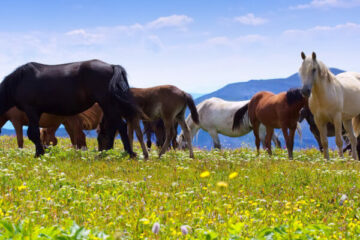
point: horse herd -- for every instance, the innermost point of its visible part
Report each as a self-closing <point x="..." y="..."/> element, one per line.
<point x="96" y="95"/>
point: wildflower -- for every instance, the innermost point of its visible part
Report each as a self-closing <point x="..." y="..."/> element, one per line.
<point x="156" y="228"/>
<point x="233" y="175"/>
<point x="185" y="229"/>
<point x="205" y="174"/>
<point x="21" y="188"/>
<point x="343" y="199"/>
<point x="222" y="184"/>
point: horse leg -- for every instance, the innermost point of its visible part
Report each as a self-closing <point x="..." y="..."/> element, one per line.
<point x="139" y="135"/>
<point x="353" y="140"/>
<point x="338" y="134"/>
<point x="185" y="128"/>
<point x="323" y="136"/>
<point x="284" y="129"/>
<point x="291" y="144"/>
<point x="168" y="125"/>
<point x="316" y="134"/>
<point x="33" y="131"/>
<point x="130" y="131"/>
<point x="174" y="142"/>
<point x="214" y="135"/>
<point x="256" y="126"/>
<point x="19" y="133"/>
<point x="122" y="128"/>
<point x="269" y="133"/>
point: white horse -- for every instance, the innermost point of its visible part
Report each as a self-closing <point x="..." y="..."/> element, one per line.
<point x="217" y="116"/>
<point x="334" y="99"/>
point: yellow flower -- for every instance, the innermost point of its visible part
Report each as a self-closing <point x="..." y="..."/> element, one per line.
<point x="21" y="188"/>
<point x="222" y="184"/>
<point x="233" y="175"/>
<point x="205" y="174"/>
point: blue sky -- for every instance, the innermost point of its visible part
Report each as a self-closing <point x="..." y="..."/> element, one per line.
<point x="198" y="46"/>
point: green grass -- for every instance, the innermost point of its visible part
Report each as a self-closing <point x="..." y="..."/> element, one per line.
<point x="111" y="196"/>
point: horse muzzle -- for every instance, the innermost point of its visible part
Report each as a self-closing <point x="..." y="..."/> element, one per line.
<point x="306" y="91"/>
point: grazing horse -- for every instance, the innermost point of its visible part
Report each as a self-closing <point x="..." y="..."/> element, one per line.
<point x="164" y="102"/>
<point x="274" y="111"/>
<point x="69" y="89"/>
<point x="74" y="125"/>
<point x="19" y="119"/>
<point x="334" y="99"/>
<point x="157" y="128"/>
<point x="216" y="117"/>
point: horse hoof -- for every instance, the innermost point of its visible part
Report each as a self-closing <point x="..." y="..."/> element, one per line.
<point x="132" y="155"/>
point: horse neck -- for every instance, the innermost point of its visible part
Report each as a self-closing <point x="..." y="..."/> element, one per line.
<point x="321" y="88"/>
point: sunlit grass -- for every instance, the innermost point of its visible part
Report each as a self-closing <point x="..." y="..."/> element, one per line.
<point x="219" y="195"/>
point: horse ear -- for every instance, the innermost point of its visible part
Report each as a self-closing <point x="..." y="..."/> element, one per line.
<point x="314" y="56"/>
<point x="303" y="55"/>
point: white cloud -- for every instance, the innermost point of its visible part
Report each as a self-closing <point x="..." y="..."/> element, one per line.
<point x="250" y="19"/>
<point x="328" y="4"/>
<point x="324" y="29"/>
<point x="178" y="21"/>
<point x="235" y="42"/>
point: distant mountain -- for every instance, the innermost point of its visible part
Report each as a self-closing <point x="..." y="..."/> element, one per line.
<point x="237" y="92"/>
<point x="244" y="91"/>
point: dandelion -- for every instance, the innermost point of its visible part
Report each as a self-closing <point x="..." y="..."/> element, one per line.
<point x="156" y="228"/>
<point x="185" y="229"/>
<point x="233" y="175"/>
<point x="205" y="174"/>
<point x="222" y="184"/>
<point x="21" y="188"/>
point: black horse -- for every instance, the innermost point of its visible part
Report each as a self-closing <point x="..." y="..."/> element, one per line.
<point x="69" y="89"/>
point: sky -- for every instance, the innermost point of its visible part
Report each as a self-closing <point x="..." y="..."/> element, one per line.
<point x="198" y="46"/>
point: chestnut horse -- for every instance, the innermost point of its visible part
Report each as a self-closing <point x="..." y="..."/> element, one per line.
<point x="74" y="125"/>
<point x="274" y="111"/>
<point x="19" y="119"/>
<point x="164" y="102"/>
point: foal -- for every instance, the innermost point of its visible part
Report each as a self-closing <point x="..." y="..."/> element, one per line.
<point x="158" y="129"/>
<point x="274" y="111"/>
<point x="164" y="102"/>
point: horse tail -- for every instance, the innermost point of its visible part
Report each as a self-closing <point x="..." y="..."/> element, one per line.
<point x="120" y="90"/>
<point x="239" y="116"/>
<point x="193" y="110"/>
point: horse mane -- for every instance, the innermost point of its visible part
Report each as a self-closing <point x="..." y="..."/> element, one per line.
<point x="325" y="71"/>
<point x="18" y="73"/>
<point x="293" y="95"/>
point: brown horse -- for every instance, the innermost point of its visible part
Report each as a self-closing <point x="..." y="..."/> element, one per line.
<point x="74" y="125"/>
<point x="164" y="102"/>
<point x="274" y="111"/>
<point x="19" y="119"/>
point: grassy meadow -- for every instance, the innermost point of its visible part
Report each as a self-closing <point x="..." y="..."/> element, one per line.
<point x="229" y="194"/>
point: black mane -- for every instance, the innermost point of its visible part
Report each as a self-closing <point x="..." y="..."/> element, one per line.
<point x="293" y="95"/>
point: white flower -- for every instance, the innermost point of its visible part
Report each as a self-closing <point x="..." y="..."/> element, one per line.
<point x="156" y="228"/>
<point x="343" y="199"/>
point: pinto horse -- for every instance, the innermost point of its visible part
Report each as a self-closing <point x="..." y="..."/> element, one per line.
<point x="274" y="111"/>
<point x="69" y="89"/>
<point x="334" y="99"/>
<point x="216" y="117"/>
<point x="164" y="102"/>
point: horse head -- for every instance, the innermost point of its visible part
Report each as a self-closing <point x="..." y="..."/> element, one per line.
<point x="309" y="73"/>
